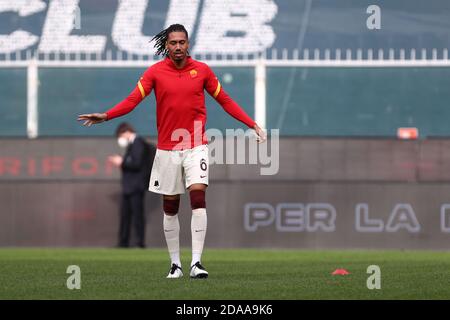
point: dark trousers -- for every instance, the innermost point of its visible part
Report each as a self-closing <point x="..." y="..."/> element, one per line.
<point x="132" y="209"/>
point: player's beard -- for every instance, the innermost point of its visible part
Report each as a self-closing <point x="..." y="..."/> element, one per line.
<point x="178" y="56"/>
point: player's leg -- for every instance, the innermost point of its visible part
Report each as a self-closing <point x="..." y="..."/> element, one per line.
<point x="198" y="228"/>
<point x="167" y="179"/>
<point x="196" y="172"/>
<point x="171" y="204"/>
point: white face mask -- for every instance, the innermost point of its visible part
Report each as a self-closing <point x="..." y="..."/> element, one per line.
<point x="123" y="142"/>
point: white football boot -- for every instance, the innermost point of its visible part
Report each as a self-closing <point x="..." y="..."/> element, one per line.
<point x="175" y="271"/>
<point x="198" y="271"/>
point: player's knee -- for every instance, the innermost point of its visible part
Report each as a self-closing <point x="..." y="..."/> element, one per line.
<point x="171" y="206"/>
<point x="197" y="199"/>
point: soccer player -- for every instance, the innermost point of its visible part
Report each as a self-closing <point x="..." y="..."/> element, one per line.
<point x="179" y="83"/>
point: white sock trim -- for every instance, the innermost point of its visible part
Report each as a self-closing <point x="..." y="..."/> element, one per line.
<point x="199" y="211"/>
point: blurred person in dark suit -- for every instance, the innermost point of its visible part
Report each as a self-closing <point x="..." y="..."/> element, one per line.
<point x="136" y="165"/>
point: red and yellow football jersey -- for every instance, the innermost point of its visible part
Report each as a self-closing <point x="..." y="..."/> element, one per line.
<point x="180" y="101"/>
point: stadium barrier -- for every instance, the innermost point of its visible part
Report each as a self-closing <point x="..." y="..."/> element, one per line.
<point x="259" y="68"/>
<point x="328" y="193"/>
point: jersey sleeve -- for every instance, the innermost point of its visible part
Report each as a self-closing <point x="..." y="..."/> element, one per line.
<point x="142" y="89"/>
<point x="215" y="90"/>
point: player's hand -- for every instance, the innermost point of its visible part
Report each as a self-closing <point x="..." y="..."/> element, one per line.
<point x="116" y="160"/>
<point x="261" y="135"/>
<point x="92" y="118"/>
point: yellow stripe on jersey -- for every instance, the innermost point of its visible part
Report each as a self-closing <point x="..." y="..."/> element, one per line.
<point x="217" y="89"/>
<point x="141" y="89"/>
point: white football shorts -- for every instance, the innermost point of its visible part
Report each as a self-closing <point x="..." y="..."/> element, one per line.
<point x="175" y="170"/>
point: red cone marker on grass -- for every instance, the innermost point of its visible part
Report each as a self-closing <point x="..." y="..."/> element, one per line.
<point x="340" y="272"/>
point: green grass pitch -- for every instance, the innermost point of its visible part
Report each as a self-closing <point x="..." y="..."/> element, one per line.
<point x="234" y="274"/>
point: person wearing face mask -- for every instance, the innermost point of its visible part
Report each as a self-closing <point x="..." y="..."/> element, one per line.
<point x="136" y="166"/>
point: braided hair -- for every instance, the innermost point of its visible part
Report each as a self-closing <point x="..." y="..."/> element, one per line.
<point x="161" y="38"/>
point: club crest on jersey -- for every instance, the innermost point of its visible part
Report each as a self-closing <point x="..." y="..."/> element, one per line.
<point x="193" y="73"/>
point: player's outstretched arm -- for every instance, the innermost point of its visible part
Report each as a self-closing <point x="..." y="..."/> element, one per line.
<point x="233" y="109"/>
<point x="92" y="118"/>
<point x="142" y="89"/>
<point x="215" y="90"/>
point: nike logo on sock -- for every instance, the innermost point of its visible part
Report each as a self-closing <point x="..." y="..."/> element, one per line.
<point x="199" y="230"/>
<point x="202" y="177"/>
<point x="168" y="230"/>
